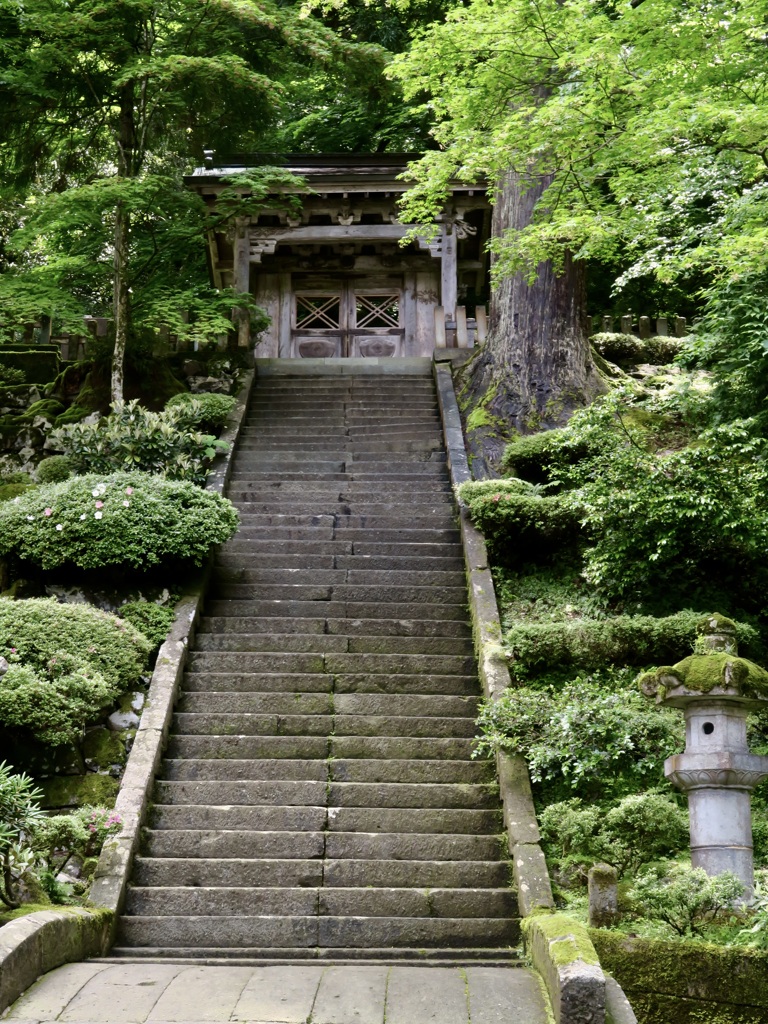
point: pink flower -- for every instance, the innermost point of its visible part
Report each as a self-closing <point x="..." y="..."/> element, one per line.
<point x="99" y="504"/>
<point x="48" y="512"/>
<point x="496" y="497"/>
<point x="129" y="490"/>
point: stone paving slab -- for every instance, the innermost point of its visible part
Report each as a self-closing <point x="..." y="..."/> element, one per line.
<point x="152" y="993"/>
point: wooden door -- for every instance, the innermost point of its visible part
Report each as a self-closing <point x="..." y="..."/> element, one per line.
<point x="356" y="318"/>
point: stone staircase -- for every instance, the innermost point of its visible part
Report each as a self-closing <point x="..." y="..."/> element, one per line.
<point x="319" y="797"/>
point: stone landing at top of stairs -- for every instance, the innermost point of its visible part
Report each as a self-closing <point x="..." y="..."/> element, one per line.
<point x="153" y="993"/>
<point x="319" y="798"/>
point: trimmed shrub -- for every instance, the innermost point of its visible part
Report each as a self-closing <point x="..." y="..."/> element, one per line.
<point x="628" y="350"/>
<point x="507" y="512"/>
<point x="685" y="898"/>
<point x="590" y="738"/>
<point x="507" y="485"/>
<point x="54" y="707"/>
<point x="46" y="636"/>
<point x="641" y="828"/>
<point x="54" y="469"/>
<point x="153" y="620"/>
<point x="207" y="410"/>
<point x="528" y="456"/>
<point x="591" y="643"/>
<point x="126" y="519"/>
<point x="133" y="438"/>
<point x="9" y="491"/>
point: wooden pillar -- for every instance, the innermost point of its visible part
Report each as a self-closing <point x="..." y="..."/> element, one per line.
<point x="482" y="324"/>
<point x="448" y="272"/>
<point x="242" y="269"/>
<point x="285" y="316"/>
<point x="439" y="327"/>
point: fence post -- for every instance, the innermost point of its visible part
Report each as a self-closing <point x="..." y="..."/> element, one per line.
<point x="439" y="327"/>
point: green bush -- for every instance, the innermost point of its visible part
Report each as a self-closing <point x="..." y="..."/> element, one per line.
<point x="19" y="811"/>
<point x="53" y="705"/>
<point x="593" y="738"/>
<point x="206" y="411"/>
<point x="627" y="349"/>
<point x="82" y="833"/>
<point x="684" y="898"/>
<point x="641" y="828"/>
<point x="11" y="377"/>
<point x="126" y="519"/>
<point x="667" y="521"/>
<point x="54" y="469"/>
<point x="10" y="491"/>
<point x="639" y="640"/>
<point x="507" y="485"/>
<point x="133" y="438"/>
<point x="506" y="513"/>
<point x="153" y="620"/>
<point x="529" y="456"/>
<point x="42" y="634"/>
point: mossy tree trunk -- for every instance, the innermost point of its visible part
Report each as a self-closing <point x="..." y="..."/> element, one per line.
<point x="535" y="368"/>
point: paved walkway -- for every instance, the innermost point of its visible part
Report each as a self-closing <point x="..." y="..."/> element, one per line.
<point x="152" y="993"/>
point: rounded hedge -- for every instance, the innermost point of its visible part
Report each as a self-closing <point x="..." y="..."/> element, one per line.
<point x="203" y="410"/>
<point x="122" y="519"/>
<point x="54" y="470"/>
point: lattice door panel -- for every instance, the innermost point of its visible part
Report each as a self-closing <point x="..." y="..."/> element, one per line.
<point x="318" y="312"/>
<point x="377" y="311"/>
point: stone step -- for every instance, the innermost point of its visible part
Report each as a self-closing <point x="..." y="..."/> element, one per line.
<point x="337" y="609"/>
<point x="403" y="628"/>
<point x="278" y="793"/>
<point x="432" y="664"/>
<point x="340" y="704"/>
<point x="256" y="521"/>
<point x="302" y="505"/>
<point x="248" y="536"/>
<point x="336" y="643"/>
<point x="281" y="560"/>
<point x="254" y="956"/>
<point x="218" y="845"/>
<point x="339" y="593"/>
<point x="406" y="748"/>
<point x="337" y="770"/>
<point x="285" y="769"/>
<point x="330" y="901"/>
<point x="338" y="819"/>
<point x="317" y="724"/>
<point x="382" y="682"/>
<point x="197" y="871"/>
<point x="253" y="572"/>
<point x="330" y="932"/>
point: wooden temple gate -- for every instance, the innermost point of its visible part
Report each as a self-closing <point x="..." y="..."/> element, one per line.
<point x="334" y="278"/>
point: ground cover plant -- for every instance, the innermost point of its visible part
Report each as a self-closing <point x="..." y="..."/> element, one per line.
<point x="132" y="520"/>
<point x="134" y="438"/>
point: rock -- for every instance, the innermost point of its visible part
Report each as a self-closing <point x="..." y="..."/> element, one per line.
<point x="104" y="751"/>
<point x="120" y="720"/>
<point x="211" y="385"/>
<point x="3" y="666"/>
<point x="137" y="701"/>
<point x="78" y="790"/>
<point x="603" y="896"/>
<point x="192" y="368"/>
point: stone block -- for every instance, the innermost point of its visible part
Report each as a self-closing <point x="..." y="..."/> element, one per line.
<point x="564" y="956"/>
<point x="534" y="890"/>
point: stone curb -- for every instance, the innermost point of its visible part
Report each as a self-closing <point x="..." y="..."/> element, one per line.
<point x="562" y="952"/>
<point x="36" y="943"/>
<point x="534" y="891"/>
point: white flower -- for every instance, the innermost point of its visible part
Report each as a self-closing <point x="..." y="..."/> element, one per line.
<point x="30" y="519"/>
<point x="59" y="527"/>
<point x="95" y="492"/>
<point x="97" y="515"/>
<point x="82" y="517"/>
<point x="127" y="504"/>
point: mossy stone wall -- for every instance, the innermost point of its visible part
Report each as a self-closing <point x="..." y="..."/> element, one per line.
<point x="686" y="982"/>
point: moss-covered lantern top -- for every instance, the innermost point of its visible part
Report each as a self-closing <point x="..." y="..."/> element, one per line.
<point x="713" y="671"/>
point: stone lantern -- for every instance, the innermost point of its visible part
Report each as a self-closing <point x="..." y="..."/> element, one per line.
<point x="716" y="690"/>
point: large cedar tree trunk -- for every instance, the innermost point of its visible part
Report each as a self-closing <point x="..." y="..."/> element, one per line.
<point x="535" y="368"/>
